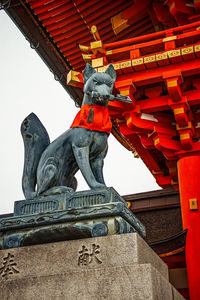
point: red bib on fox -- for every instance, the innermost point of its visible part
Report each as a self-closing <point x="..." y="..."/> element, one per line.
<point x="93" y="117"/>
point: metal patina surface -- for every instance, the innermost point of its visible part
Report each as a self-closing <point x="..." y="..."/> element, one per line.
<point x="52" y="166"/>
<point x="67" y="216"/>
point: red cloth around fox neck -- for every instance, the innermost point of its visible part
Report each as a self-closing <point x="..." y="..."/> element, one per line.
<point x="93" y="117"/>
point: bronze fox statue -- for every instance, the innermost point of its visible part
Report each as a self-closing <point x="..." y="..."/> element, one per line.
<point x="49" y="168"/>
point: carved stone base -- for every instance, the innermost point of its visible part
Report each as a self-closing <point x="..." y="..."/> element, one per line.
<point x="63" y="217"/>
<point x="111" y="267"/>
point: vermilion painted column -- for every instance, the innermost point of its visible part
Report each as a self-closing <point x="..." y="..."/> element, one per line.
<point x="189" y="184"/>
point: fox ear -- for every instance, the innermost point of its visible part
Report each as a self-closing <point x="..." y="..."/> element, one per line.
<point x="87" y="72"/>
<point x="111" y="71"/>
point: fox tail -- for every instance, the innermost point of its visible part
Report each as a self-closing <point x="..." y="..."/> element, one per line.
<point x="36" y="139"/>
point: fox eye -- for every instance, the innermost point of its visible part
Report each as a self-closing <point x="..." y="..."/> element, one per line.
<point x="96" y="81"/>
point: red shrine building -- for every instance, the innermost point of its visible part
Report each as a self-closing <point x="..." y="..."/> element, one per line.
<point x="154" y="46"/>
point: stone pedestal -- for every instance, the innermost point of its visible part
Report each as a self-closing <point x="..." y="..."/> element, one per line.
<point x="111" y="267"/>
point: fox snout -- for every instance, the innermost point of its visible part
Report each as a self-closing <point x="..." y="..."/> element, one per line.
<point x="102" y="92"/>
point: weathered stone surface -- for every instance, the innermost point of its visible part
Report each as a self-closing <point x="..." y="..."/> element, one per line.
<point x="55" y="258"/>
<point x="111" y="267"/>
<point x="129" y="282"/>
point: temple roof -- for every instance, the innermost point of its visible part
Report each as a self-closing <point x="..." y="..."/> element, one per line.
<point x="55" y="28"/>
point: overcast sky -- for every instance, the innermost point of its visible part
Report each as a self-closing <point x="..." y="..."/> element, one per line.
<point x="27" y="85"/>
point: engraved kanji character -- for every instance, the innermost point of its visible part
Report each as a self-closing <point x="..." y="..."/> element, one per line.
<point x="86" y="257"/>
<point x="9" y="266"/>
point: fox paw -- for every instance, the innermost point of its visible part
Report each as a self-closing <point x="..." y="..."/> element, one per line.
<point x="56" y="190"/>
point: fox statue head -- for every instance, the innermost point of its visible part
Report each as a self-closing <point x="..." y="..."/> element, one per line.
<point x="98" y="86"/>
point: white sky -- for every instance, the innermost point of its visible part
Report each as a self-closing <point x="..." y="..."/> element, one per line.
<point x="27" y="85"/>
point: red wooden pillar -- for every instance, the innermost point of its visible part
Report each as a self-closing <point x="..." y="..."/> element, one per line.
<point x="189" y="184"/>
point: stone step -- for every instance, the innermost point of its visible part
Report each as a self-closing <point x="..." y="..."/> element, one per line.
<point x="138" y="282"/>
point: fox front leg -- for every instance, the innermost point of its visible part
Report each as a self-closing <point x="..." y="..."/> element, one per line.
<point x="97" y="165"/>
<point x="82" y="158"/>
